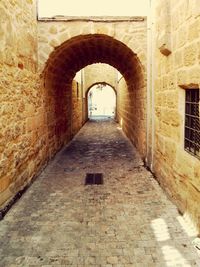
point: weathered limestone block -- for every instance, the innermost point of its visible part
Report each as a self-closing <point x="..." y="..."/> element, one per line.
<point x="101" y="28"/>
<point x="181" y="37"/>
<point x="182" y="77"/>
<point x="4" y="20"/>
<point x="43" y="39"/>
<point x="53" y="29"/>
<point x="196" y="8"/>
<point x="99" y="73"/>
<point x="54" y="43"/>
<point x="172" y="99"/>
<point x="18" y="92"/>
<point x="63" y="37"/>
<point x="193" y="30"/>
<point x="86" y="29"/>
<point x="170" y="151"/>
<point x="178" y="58"/>
<point x="26" y="44"/>
<point x="190" y="54"/>
<point x="181" y="165"/>
<point x="194" y="75"/>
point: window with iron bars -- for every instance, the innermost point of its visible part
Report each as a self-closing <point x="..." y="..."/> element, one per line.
<point x="192" y="122"/>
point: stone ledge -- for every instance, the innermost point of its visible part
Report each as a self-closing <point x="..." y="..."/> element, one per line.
<point x="189" y="86"/>
<point x="92" y="18"/>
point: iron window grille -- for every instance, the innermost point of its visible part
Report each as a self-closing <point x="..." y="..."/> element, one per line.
<point x="192" y="122"/>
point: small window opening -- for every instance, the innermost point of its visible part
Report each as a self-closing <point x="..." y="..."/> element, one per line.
<point x="192" y="122"/>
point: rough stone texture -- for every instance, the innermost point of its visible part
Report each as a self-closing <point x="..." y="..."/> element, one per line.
<point x="95" y="74"/>
<point x="99" y="73"/>
<point x="126" y="222"/>
<point x="78" y="44"/>
<point x="131" y="33"/>
<point x="22" y="134"/>
<point x="77" y="107"/>
<point x="39" y="116"/>
<point x="131" y="112"/>
<point x="177" y="171"/>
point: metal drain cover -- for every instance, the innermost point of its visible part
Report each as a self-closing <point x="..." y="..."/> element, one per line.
<point x="94" y="178"/>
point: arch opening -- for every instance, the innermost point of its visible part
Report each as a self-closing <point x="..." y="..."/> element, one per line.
<point x="101" y="101"/>
<point x="72" y="56"/>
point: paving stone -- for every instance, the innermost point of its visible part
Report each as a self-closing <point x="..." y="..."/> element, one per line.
<point x="127" y="221"/>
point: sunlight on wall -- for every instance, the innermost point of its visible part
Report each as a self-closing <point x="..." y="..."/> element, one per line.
<point x="187" y="225"/>
<point x="48" y="8"/>
<point x="121" y="122"/>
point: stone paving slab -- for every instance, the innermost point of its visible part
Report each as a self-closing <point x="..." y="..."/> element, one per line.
<point x="127" y="221"/>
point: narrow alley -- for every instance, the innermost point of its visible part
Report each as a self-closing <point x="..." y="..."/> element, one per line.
<point x="126" y="221"/>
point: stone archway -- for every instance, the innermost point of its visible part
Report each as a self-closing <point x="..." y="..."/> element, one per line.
<point x="73" y="55"/>
<point x="104" y="84"/>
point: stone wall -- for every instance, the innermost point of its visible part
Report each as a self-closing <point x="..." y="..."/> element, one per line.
<point x="77" y="107"/>
<point x="39" y="114"/>
<point x="94" y="74"/>
<point x="131" y="113"/>
<point x="42" y="108"/>
<point x="22" y="137"/>
<point x="52" y="33"/>
<point x="99" y="73"/>
<point x="176" y="66"/>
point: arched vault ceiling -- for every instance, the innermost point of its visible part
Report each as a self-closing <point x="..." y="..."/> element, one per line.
<point x="83" y="50"/>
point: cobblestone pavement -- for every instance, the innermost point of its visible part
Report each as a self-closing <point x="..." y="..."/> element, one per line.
<point x="127" y="221"/>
